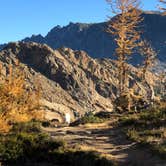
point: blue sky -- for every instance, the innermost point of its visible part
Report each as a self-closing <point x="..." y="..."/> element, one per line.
<point x="22" y="18"/>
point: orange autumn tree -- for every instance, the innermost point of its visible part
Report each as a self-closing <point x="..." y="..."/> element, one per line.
<point x="17" y="102"/>
<point x="149" y="56"/>
<point x="162" y="7"/>
<point x="162" y="84"/>
<point x="124" y="27"/>
<point x="162" y="77"/>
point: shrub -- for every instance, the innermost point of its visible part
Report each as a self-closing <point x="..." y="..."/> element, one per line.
<point x="133" y="134"/>
<point x="128" y="120"/>
<point x="17" y="102"/>
<point x="88" y="118"/>
<point x="27" y="146"/>
<point x="28" y="127"/>
<point x="103" y="115"/>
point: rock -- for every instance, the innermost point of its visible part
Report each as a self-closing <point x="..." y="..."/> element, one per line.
<point x="93" y="39"/>
<point x="69" y="79"/>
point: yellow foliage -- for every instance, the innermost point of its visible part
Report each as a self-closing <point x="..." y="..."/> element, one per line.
<point x="125" y="29"/>
<point x="17" y="102"/>
<point x="4" y="126"/>
<point x="162" y="7"/>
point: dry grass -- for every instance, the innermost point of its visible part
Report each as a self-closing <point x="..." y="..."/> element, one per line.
<point x="97" y="125"/>
<point x="148" y="128"/>
<point x="86" y="148"/>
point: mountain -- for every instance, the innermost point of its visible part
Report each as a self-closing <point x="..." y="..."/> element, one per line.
<point x="2" y="46"/>
<point x="93" y="39"/>
<point x="70" y="79"/>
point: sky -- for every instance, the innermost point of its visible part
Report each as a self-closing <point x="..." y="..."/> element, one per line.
<point x="22" y="18"/>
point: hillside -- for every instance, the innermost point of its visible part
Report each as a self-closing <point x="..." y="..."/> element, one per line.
<point x="70" y="80"/>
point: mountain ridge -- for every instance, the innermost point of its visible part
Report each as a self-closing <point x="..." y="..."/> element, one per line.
<point x="93" y="39"/>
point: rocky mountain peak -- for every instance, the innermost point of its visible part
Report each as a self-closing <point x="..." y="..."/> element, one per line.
<point x="93" y="39"/>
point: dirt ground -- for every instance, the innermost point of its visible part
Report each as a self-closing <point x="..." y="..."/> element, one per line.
<point x="109" y="140"/>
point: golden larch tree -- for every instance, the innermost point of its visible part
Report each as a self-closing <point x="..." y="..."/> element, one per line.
<point x="162" y="84"/>
<point x="124" y="27"/>
<point x="149" y="56"/>
<point x="162" y="7"/>
<point x="17" y="102"/>
<point x="162" y="77"/>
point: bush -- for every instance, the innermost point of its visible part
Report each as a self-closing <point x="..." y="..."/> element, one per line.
<point x="128" y="120"/>
<point x="88" y="118"/>
<point x="26" y="142"/>
<point x="27" y="146"/>
<point x="160" y="150"/>
<point x="103" y="115"/>
<point x="29" y="127"/>
<point x="133" y="134"/>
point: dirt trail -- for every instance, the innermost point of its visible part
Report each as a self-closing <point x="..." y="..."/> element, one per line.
<point x="107" y="139"/>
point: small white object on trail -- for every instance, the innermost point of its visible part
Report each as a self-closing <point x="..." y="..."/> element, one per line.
<point x="67" y="118"/>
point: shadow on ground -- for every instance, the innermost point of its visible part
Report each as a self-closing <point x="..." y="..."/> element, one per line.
<point x="109" y="139"/>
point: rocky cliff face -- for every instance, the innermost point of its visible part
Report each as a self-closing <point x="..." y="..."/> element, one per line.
<point x="93" y="39"/>
<point x="70" y="80"/>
